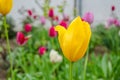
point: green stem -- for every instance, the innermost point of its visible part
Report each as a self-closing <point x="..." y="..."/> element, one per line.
<point x="8" y="44"/>
<point x="85" y="65"/>
<point x="71" y="65"/>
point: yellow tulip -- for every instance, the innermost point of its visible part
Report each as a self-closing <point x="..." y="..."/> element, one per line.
<point x="5" y="6"/>
<point x="74" y="40"/>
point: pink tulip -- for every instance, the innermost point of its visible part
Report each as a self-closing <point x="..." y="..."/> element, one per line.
<point x="51" y="13"/>
<point x="63" y="23"/>
<point x="110" y="21"/>
<point x="21" y="39"/>
<point x="52" y="32"/>
<point x="88" y="17"/>
<point x="42" y="20"/>
<point x="28" y="27"/>
<point x="42" y="50"/>
<point x="29" y="12"/>
<point x="117" y="22"/>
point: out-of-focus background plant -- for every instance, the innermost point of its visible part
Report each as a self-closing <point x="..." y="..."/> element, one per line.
<point x="36" y="52"/>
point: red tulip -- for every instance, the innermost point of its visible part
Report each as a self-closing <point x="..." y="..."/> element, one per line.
<point x="29" y="12"/>
<point x="113" y="8"/>
<point x="42" y="50"/>
<point x="21" y="39"/>
<point x="35" y="16"/>
<point x="28" y="27"/>
<point x="51" y="13"/>
<point x="52" y="32"/>
<point x="63" y="23"/>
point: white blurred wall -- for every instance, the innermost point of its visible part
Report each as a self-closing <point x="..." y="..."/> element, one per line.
<point x="29" y="4"/>
<point x="100" y="8"/>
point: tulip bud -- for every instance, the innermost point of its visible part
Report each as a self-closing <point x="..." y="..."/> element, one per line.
<point x="112" y="8"/>
<point x="29" y="12"/>
<point x="52" y="32"/>
<point x="63" y="23"/>
<point x="42" y="50"/>
<point x="28" y="27"/>
<point x="51" y="13"/>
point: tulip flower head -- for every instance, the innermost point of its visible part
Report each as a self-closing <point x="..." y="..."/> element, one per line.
<point x="42" y="50"/>
<point x="88" y="17"/>
<point x="112" y="8"/>
<point x="28" y="27"/>
<point x="29" y="12"/>
<point x="63" y="23"/>
<point x="110" y="21"/>
<point x="21" y="39"/>
<point x="35" y="16"/>
<point x="117" y="22"/>
<point x="52" y="32"/>
<point x="75" y="39"/>
<point x="51" y="13"/>
<point x="5" y="6"/>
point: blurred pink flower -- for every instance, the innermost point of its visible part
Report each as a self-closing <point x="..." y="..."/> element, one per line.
<point x="29" y="12"/>
<point x="52" y="32"/>
<point x="110" y="21"/>
<point x="116" y="22"/>
<point x="56" y="18"/>
<point x="51" y="13"/>
<point x="112" y="8"/>
<point x="42" y="20"/>
<point x="66" y="17"/>
<point x="63" y="23"/>
<point x="21" y="39"/>
<point x="88" y="17"/>
<point x="28" y="27"/>
<point x="35" y="16"/>
<point x="42" y="50"/>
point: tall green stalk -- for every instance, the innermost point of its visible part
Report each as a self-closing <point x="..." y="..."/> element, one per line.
<point x="71" y="65"/>
<point x="8" y="45"/>
<point x="85" y="65"/>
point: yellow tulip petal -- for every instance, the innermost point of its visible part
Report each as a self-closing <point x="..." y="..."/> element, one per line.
<point x="81" y="51"/>
<point x="61" y="31"/>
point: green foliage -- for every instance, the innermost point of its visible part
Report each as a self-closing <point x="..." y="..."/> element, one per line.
<point x="108" y="38"/>
<point x="31" y="66"/>
<point x="11" y="25"/>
